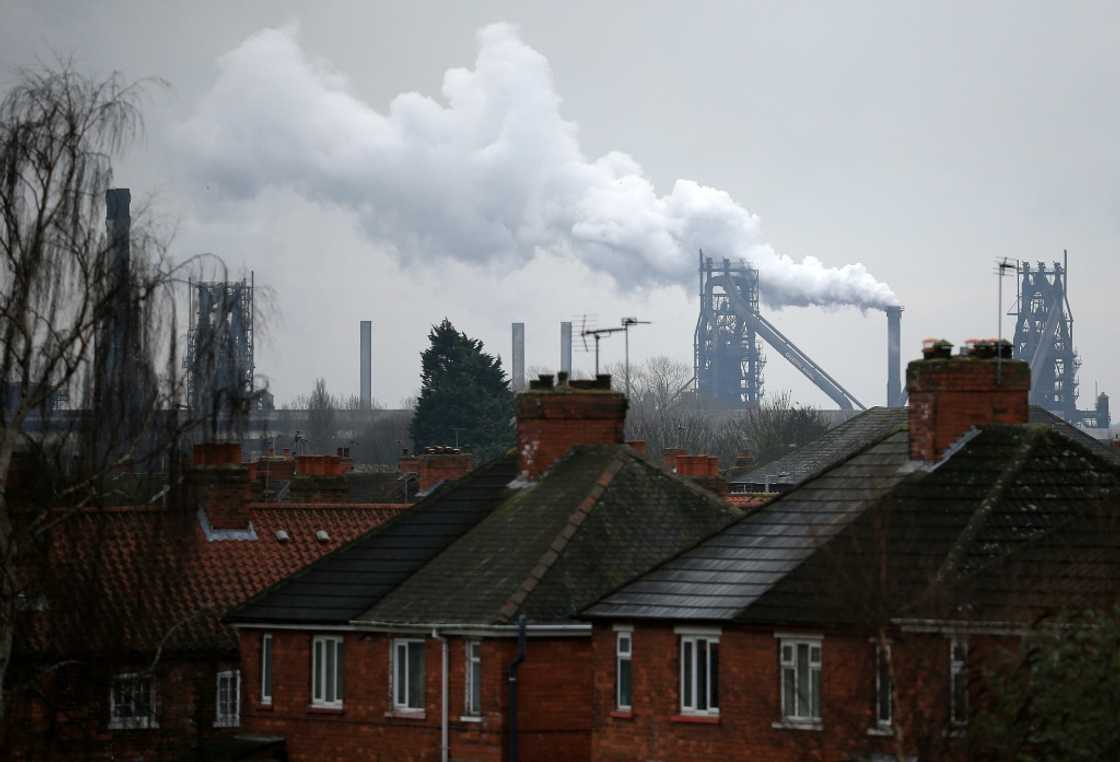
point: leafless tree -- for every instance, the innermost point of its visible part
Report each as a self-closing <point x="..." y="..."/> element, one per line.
<point x="74" y="324"/>
<point x="666" y="413"/>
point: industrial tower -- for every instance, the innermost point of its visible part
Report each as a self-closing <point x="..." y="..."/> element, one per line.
<point x="219" y="359"/>
<point x="728" y="359"/>
<point x="1044" y="338"/>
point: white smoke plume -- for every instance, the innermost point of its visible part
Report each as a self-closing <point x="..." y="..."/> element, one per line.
<point x="491" y="172"/>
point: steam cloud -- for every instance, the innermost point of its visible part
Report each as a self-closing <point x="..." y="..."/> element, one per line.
<point x="496" y="173"/>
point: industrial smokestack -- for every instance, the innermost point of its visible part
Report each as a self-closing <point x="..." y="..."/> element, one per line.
<point x="518" y="364"/>
<point x="894" y="356"/>
<point x="566" y="348"/>
<point x="366" y="362"/>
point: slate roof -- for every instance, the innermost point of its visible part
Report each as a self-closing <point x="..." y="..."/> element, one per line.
<point x="1016" y="521"/>
<point x="842" y="441"/>
<point x="128" y="577"/>
<point x="599" y="517"/>
<point x="345" y="583"/>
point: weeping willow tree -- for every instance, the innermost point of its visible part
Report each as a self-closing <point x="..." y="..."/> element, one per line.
<point x="87" y="316"/>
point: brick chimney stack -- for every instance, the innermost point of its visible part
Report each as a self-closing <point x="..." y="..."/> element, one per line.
<point x="949" y="394"/>
<point x="437" y="464"/>
<point x="222" y="484"/>
<point x="552" y="418"/>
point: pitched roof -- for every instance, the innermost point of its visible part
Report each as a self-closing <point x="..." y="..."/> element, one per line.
<point x="842" y="441"/>
<point x="133" y="578"/>
<point x="599" y="517"/>
<point x="1015" y="520"/>
<point x="345" y="583"/>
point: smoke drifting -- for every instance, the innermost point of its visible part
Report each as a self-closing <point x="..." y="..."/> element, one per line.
<point x="491" y="173"/>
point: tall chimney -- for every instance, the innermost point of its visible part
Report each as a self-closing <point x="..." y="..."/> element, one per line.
<point x="951" y="394"/>
<point x="894" y="356"/>
<point x="566" y="348"/>
<point x="552" y="419"/>
<point x="518" y="364"/>
<point x="366" y="362"/>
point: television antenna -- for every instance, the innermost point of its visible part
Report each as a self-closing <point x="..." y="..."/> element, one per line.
<point x="1002" y="266"/>
<point x="599" y="333"/>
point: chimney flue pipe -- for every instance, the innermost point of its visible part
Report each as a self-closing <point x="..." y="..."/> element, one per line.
<point x="366" y="363"/>
<point x="894" y="357"/>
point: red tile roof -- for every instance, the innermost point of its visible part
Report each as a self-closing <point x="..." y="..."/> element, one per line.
<point x="129" y="579"/>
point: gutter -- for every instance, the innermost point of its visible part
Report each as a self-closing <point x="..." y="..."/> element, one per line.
<point x="470" y="629"/>
<point x="512" y="757"/>
<point x="444" y="746"/>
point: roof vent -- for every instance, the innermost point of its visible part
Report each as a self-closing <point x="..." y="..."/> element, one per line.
<point x="322" y="535"/>
<point x="282" y="535"/>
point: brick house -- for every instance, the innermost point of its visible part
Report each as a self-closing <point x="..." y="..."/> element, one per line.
<point x="849" y="618"/>
<point x="120" y="649"/>
<point x="402" y="645"/>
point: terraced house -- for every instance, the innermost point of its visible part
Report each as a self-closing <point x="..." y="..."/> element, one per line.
<point x="854" y="617"/>
<point x="451" y="631"/>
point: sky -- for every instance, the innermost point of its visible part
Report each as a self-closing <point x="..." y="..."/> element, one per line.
<point x="495" y="162"/>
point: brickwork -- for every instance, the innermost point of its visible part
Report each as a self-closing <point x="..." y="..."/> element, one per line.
<point x="552" y="421"/>
<point x="437" y="467"/>
<point x="554" y="683"/>
<point x="69" y="718"/>
<point x="949" y="395"/>
<point x="749" y="725"/>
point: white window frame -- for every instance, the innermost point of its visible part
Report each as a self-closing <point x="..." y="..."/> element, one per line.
<point x="472" y="674"/>
<point x="404" y="707"/>
<point x="266" y="669"/>
<point x="133" y="722"/>
<point x="326" y="649"/>
<point x="228" y="719"/>
<point x="958" y="679"/>
<point x="624" y="656"/>
<point x="793" y="644"/>
<point x="884" y="687"/>
<point x="690" y="675"/>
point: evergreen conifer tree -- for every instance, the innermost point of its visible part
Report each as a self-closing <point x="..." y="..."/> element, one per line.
<point x="464" y="396"/>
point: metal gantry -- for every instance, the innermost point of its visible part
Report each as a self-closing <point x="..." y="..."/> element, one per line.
<point x="1044" y="338"/>
<point x="219" y="358"/>
<point x="727" y="345"/>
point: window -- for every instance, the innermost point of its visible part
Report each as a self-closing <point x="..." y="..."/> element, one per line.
<point x="228" y="702"/>
<point x="408" y="675"/>
<point x="326" y="671"/>
<point x="266" y="669"/>
<point x="623" y="672"/>
<point x="883" y="687"/>
<point x="132" y="702"/>
<point x="801" y="680"/>
<point x="958" y="680"/>
<point x="700" y="674"/>
<point x="474" y="678"/>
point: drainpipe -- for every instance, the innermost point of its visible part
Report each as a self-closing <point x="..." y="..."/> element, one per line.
<point x="444" y="747"/>
<point x="513" y="688"/>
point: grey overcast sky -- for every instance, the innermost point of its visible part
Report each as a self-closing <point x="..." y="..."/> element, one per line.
<point x="921" y="140"/>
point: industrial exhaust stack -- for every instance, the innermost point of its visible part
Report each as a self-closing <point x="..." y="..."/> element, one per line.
<point x="366" y="363"/>
<point x="894" y="357"/>
<point x="566" y="348"/>
<point x="518" y="365"/>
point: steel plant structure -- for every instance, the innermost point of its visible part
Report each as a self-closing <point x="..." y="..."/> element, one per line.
<point x="219" y="358"/>
<point x="1044" y="338"/>
<point x="727" y="345"/>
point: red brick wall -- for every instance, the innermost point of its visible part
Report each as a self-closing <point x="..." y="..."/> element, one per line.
<point x="68" y="717"/>
<point x="750" y="702"/>
<point x="948" y="396"/>
<point x="551" y="422"/>
<point x="438" y="467"/>
<point x="554" y="721"/>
